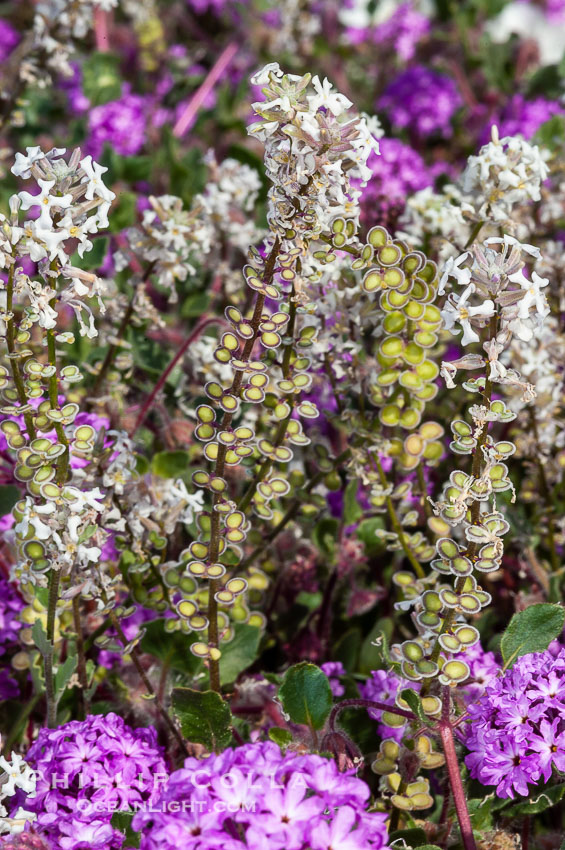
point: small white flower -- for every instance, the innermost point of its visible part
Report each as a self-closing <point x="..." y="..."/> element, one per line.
<point x="456" y="310"/>
<point x="93" y="177"/>
<point x="263" y="77"/>
<point x="24" y="162"/>
<point x="327" y="97"/>
<point x="20" y="775"/>
<point x="45" y="201"/>
<point x="452" y="269"/>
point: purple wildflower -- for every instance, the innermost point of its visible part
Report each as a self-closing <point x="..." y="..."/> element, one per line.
<point x="522" y="117"/>
<point x="383" y="686"/>
<point x="11" y="603"/>
<point x="256" y="797"/>
<point x="333" y="670"/>
<point x="86" y="771"/>
<point x="422" y="101"/>
<point x="397" y="173"/>
<point x="119" y="123"/>
<point x="9" y="38"/>
<point x="517" y="731"/>
<point x="404" y="29"/>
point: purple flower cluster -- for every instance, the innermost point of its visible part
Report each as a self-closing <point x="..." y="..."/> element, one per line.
<point x="521" y="116"/>
<point x="404" y="29"/>
<point x="421" y="100"/>
<point x="398" y="171"/>
<point x="86" y="771"/>
<point x="255" y="797"/>
<point x="119" y="123"/>
<point x="517" y="731"/>
<point x="333" y="670"/>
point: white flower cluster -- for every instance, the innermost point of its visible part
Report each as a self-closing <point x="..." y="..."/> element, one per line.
<point x="505" y="173"/>
<point x="230" y="195"/>
<point x="15" y="774"/>
<point x="313" y="146"/>
<point x="492" y="275"/>
<point x="168" y="239"/>
<point x="57" y="24"/>
<point x="158" y="504"/>
<point x="73" y="205"/>
<point x="439" y="214"/>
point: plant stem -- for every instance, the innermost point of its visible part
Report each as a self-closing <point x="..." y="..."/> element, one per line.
<point x="545" y="491"/>
<point x="81" y="658"/>
<point x="54" y="578"/>
<point x="418" y="569"/>
<point x="366" y="703"/>
<point x="13" y="358"/>
<point x="452" y="764"/>
<point x="178" y="356"/>
<point x="134" y="652"/>
<point x="292" y="510"/>
<point x="222" y="63"/>
<point x="213" y="552"/>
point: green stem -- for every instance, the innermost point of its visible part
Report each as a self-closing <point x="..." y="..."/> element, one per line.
<point x="545" y="491"/>
<point x="13" y="358"/>
<point x="293" y="510"/>
<point x="134" y="653"/>
<point x="215" y="525"/>
<point x="48" y="659"/>
<point x="396" y="524"/>
<point x="81" y="659"/>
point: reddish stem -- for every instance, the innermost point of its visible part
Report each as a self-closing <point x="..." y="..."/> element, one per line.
<point x="186" y="120"/>
<point x="101" y="31"/>
<point x="452" y="764"/>
<point x="366" y="703"/>
<point x="178" y="356"/>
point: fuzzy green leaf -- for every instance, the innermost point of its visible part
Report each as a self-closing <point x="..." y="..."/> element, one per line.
<point x="306" y="695"/>
<point x="531" y="630"/>
<point x="204" y="717"/>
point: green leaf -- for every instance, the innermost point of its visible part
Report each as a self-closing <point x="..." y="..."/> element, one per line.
<point x="538" y="802"/>
<point x="325" y="534"/>
<point x="195" y="304"/>
<point x="306" y="695"/>
<point x="122" y="822"/>
<point x="63" y="674"/>
<point x="411" y="837"/>
<point x="531" y="630"/>
<point x="9" y="495"/>
<point x="101" y="81"/>
<point x="551" y="134"/>
<point x="172" y="648"/>
<point x="39" y="636"/>
<point x="352" y="511"/>
<point x="280" y="736"/>
<point x="240" y="652"/>
<point x="347" y="649"/>
<point x="367" y="532"/>
<point x="123" y="213"/>
<point x="204" y="717"/>
<point x="170" y="464"/>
